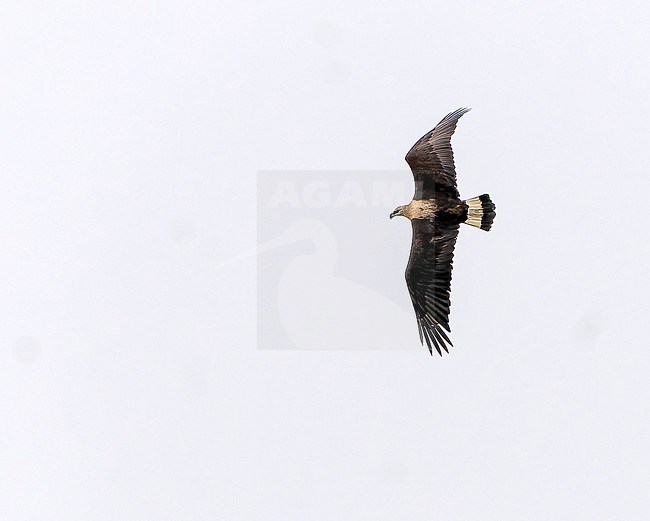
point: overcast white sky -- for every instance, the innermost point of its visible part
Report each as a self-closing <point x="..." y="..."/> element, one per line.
<point x="131" y="385"/>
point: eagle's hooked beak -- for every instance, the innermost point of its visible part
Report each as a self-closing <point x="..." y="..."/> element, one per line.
<point x="396" y="212"/>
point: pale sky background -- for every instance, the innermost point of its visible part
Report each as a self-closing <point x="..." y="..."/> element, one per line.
<point x="131" y="385"/>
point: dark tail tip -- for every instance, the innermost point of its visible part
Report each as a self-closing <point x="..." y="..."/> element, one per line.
<point x="489" y="212"/>
<point x="481" y="212"/>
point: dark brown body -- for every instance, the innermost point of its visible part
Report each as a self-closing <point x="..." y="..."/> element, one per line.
<point x="450" y="211"/>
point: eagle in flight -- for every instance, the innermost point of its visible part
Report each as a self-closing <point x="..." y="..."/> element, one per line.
<point x="436" y="213"/>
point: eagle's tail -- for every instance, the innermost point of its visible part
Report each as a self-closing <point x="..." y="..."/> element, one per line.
<point x="481" y="212"/>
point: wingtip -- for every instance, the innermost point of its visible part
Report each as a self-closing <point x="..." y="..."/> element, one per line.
<point x="456" y="114"/>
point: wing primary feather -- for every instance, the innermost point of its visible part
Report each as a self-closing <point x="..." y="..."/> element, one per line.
<point x="444" y="335"/>
<point x="426" y="338"/>
<point x="431" y="331"/>
<point x="436" y="334"/>
<point x="446" y="326"/>
<point x="434" y="342"/>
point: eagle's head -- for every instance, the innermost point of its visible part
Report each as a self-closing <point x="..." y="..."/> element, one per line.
<point x="398" y="211"/>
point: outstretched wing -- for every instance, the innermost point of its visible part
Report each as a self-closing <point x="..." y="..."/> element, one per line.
<point x="428" y="277"/>
<point x="432" y="160"/>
